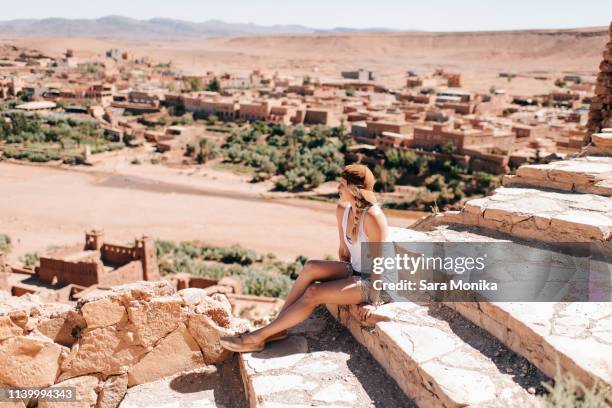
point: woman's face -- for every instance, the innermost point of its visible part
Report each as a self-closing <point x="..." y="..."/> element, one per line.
<point x="344" y="191"/>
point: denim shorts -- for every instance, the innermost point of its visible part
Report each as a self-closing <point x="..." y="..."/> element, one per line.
<point x="364" y="284"/>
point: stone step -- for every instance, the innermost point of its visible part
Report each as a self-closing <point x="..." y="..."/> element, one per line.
<point x="539" y="215"/>
<point x="437" y="362"/>
<point x="319" y="364"/>
<point x="601" y="144"/>
<point x="590" y="174"/>
<point x="603" y="139"/>
<point x="214" y="387"/>
<point x="577" y="336"/>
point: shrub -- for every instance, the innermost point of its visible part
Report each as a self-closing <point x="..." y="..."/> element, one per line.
<point x="569" y="392"/>
<point x="262" y="283"/>
<point x="435" y="182"/>
<point x="270" y="278"/>
<point x="70" y="160"/>
<point x="164" y="247"/>
<point x="30" y="259"/>
<point x="5" y="244"/>
<point x="39" y="157"/>
<point x="189" y="149"/>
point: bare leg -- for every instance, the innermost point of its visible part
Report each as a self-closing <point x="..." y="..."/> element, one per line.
<point x="339" y="292"/>
<point x="315" y="271"/>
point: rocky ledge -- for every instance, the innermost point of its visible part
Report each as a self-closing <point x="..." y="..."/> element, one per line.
<point x="112" y="339"/>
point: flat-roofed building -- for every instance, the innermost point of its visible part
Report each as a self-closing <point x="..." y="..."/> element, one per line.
<point x="321" y="116"/>
<point x="359" y="74"/>
<point x="414" y="82"/>
<point x="376" y="128"/>
<point x="437" y="136"/>
<point x="254" y="111"/>
<point x="282" y="114"/>
<point x="461" y="108"/>
<point x="305" y="89"/>
<point x="530" y="131"/>
<point x="564" y="96"/>
<point x="37" y="106"/>
<point x="224" y="109"/>
<point x="454" y="95"/>
<point x="391" y="140"/>
<point x="101" y="92"/>
<point x="146" y="97"/>
<point x="359" y="131"/>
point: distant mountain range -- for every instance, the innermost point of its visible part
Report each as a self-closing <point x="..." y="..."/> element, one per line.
<point x="155" y="28"/>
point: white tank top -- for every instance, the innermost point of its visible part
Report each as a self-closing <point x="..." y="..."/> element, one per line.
<point x="354" y="247"/>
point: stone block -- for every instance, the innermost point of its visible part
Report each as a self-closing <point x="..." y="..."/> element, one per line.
<point x="29" y="361"/>
<point x="176" y="352"/>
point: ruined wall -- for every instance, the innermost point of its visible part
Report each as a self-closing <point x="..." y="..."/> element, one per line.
<point x="600" y="113"/>
<point x="130" y="272"/>
<point x="112" y="339"/>
<point x="117" y="255"/>
<point x="146" y="251"/>
<point x="80" y="273"/>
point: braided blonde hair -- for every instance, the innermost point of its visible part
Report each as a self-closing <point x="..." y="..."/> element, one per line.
<point x="360" y="207"/>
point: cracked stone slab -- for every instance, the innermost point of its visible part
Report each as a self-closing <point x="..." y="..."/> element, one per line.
<point x="337" y="392"/>
<point x="540" y="215"/>
<point x="430" y="362"/>
<point x="602" y="139"/>
<point x="591" y="174"/>
<point x="283" y="354"/>
<point x="303" y="370"/>
<point x="188" y="389"/>
<point x="576" y="334"/>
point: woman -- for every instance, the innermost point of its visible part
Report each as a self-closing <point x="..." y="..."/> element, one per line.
<point x="360" y="219"/>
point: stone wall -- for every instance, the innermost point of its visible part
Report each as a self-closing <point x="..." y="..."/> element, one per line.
<point x="117" y="255"/>
<point x="112" y="339"/>
<point x="600" y="114"/>
<point x="130" y="272"/>
<point x="84" y="273"/>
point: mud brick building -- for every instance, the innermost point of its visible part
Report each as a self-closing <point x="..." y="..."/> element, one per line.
<point x="101" y="263"/>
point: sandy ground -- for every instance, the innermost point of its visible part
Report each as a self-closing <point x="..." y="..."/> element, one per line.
<point x="479" y="56"/>
<point x="42" y="206"/>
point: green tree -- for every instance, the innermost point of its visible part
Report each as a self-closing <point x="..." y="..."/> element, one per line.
<point x="212" y="119"/>
<point x="214" y="85"/>
<point x="206" y="151"/>
<point x="194" y="84"/>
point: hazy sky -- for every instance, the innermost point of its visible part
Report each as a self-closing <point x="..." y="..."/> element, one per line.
<point x="434" y="15"/>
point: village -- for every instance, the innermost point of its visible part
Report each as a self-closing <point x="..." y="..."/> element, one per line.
<point x="133" y="100"/>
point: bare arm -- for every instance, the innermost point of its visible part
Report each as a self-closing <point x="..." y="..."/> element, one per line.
<point x="343" y="252"/>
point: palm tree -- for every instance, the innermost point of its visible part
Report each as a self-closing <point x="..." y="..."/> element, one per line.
<point x="205" y="151"/>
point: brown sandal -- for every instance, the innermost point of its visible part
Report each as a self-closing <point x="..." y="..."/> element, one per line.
<point x="234" y="343"/>
<point x="281" y="335"/>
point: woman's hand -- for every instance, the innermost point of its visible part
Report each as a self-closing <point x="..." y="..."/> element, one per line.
<point x="365" y="311"/>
